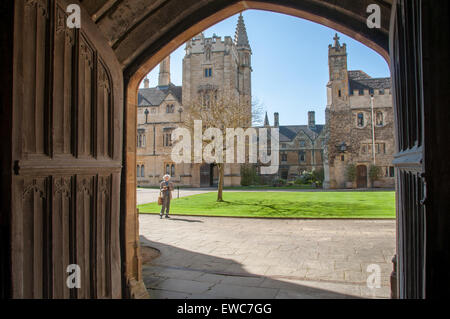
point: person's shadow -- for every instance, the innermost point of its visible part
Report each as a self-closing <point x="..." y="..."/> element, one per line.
<point x="185" y="220"/>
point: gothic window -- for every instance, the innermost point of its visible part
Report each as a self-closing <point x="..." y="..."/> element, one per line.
<point x="379" y="119"/>
<point x="141" y="139"/>
<point x="391" y="171"/>
<point x="301" y="156"/>
<point x="208" y="72"/>
<point x="142" y="171"/>
<point x="380" y="148"/>
<point x="167" y="169"/>
<point x="138" y="171"/>
<point x="172" y="170"/>
<point x="339" y="93"/>
<point x="360" y="120"/>
<point x="167" y="137"/>
<point x="170" y="108"/>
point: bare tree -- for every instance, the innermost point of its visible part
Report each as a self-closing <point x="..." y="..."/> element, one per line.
<point x="221" y="111"/>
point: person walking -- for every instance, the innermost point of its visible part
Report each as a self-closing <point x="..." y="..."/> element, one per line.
<point x="166" y="189"/>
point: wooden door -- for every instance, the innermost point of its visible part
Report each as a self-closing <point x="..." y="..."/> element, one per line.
<point x="406" y="70"/>
<point x="67" y="150"/>
<point x="205" y="175"/>
<point x="420" y="52"/>
<point x="361" y="176"/>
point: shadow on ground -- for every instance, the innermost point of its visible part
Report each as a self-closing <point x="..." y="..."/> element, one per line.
<point x="182" y="274"/>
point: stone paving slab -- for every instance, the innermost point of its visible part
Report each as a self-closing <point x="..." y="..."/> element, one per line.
<point x="215" y="257"/>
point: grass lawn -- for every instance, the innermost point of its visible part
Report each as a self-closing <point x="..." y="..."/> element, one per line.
<point x="285" y="205"/>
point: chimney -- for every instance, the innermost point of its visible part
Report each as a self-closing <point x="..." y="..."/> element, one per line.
<point x="276" y="119"/>
<point x="312" y="119"/>
<point x="164" y="72"/>
<point x="146" y="83"/>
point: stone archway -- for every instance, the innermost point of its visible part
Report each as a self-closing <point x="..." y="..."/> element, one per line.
<point x="135" y="72"/>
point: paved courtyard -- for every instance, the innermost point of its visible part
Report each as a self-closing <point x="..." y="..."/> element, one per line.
<point x="216" y="257"/>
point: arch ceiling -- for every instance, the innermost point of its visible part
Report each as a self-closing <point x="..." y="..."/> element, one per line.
<point x="140" y="29"/>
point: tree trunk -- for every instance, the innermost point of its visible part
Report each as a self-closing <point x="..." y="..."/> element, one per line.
<point x="221" y="180"/>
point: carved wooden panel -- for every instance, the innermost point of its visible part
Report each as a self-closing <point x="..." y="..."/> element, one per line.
<point x="63" y="57"/>
<point x="85" y="97"/>
<point x="66" y="187"/>
<point x="35" y="55"/>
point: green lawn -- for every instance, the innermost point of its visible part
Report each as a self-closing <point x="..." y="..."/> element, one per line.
<point x="285" y="205"/>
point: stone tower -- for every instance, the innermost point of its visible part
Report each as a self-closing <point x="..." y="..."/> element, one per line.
<point x="338" y="85"/>
<point x="218" y="64"/>
<point x="223" y="66"/>
<point x="357" y="134"/>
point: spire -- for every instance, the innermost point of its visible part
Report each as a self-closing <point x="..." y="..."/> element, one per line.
<point x="164" y="72"/>
<point x="146" y="83"/>
<point x="240" y="37"/>
<point x="266" y="120"/>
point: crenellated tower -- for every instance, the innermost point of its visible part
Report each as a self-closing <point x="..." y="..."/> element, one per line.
<point x="215" y="63"/>
<point x="338" y="89"/>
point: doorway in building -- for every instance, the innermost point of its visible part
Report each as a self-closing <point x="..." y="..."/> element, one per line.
<point x="209" y="176"/>
<point x="361" y="176"/>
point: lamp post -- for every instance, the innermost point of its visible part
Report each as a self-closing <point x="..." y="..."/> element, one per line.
<point x="146" y="115"/>
<point x="373" y="130"/>
<point x="342" y="147"/>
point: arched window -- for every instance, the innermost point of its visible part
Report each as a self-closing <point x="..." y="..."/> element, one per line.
<point x="379" y="118"/>
<point x="168" y="169"/>
<point x="172" y="173"/>
<point x="142" y="171"/>
<point x="360" y="119"/>
<point x="301" y="156"/>
<point x="138" y="171"/>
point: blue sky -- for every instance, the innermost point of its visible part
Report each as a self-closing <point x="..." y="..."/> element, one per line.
<point x="290" y="63"/>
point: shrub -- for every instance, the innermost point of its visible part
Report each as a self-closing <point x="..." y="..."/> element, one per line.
<point x="318" y="176"/>
<point x="350" y="172"/>
<point x="249" y="175"/>
<point x="279" y="182"/>
<point x="374" y="172"/>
